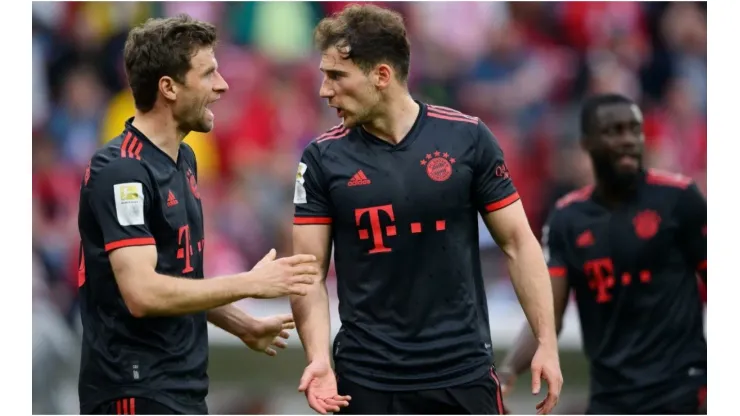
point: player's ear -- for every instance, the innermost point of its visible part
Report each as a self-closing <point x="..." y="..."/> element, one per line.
<point x="383" y="75"/>
<point x="168" y="88"/>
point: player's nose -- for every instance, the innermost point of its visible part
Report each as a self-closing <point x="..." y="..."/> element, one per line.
<point x="325" y="91"/>
<point x="221" y="85"/>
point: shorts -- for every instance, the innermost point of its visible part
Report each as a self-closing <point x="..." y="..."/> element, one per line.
<point x="687" y="400"/>
<point x="481" y="396"/>
<point x="133" y="406"/>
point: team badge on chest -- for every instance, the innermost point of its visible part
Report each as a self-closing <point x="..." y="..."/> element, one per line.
<point x="646" y="224"/>
<point x="438" y="165"/>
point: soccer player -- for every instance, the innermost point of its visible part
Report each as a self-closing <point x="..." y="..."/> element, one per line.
<point x="397" y="188"/>
<point x="144" y="302"/>
<point x="630" y="247"/>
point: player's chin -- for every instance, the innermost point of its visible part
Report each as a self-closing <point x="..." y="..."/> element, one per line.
<point x="204" y="125"/>
<point x="349" y="121"/>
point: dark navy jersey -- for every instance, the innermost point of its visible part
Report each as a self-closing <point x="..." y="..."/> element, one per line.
<point x="134" y="194"/>
<point x="405" y="230"/>
<point x="634" y="273"/>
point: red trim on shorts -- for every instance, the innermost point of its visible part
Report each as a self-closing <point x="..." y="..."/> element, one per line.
<point x="499" y="396"/>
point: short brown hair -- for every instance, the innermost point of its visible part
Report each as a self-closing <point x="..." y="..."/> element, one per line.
<point x="162" y="47"/>
<point x="372" y="34"/>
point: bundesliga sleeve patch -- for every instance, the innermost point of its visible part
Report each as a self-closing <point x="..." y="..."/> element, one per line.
<point x="129" y="203"/>
<point x="299" y="196"/>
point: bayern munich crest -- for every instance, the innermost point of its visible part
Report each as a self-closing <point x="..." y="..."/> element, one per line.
<point x="438" y="165"/>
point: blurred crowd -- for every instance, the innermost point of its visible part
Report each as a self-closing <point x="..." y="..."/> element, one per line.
<point x="523" y="68"/>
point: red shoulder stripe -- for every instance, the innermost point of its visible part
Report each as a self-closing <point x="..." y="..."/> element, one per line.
<point x="435" y="114"/>
<point x="331" y="130"/>
<point x="125" y="144"/>
<point x="333" y="136"/>
<point x="577" y="195"/>
<point x="448" y="111"/>
<point x="660" y="177"/>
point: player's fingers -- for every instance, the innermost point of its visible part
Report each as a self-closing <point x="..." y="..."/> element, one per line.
<point x="270" y="256"/>
<point x="298" y="291"/>
<point x="285" y="318"/>
<point x="304" y="279"/>
<point x="536" y="379"/>
<point x="336" y="403"/>
<point x="269" y="351"/>
<point x="289" y="325"/>
<point x="305" y="269"/>
<point x="330" y="405"/>
<point x="279" y="343"/>
<point x="299" y="259"/>
<point x="285" y="334"/>
<point x="548" y="404"/>
<point x="316" y="404"/>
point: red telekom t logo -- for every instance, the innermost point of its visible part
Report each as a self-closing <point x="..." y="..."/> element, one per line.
<point x="374" y="214"/>
<point x="600" y="273"/>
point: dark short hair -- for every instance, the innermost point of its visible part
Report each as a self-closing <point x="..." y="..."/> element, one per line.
<point x="591" y="107"/>
<point x="162" y="47"/>
<point x="373" y="35"/>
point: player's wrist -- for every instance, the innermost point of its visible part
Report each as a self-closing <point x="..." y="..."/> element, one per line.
<point x="249" y="284"/>
<point x="314" y="357"/>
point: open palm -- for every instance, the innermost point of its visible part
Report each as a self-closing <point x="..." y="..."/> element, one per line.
<point x="320" y="386"/>
<point x="269" y="332"/>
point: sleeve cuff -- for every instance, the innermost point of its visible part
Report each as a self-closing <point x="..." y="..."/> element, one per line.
<point x="311" y="220"/>
<point x="128" y="242"/>
<point x="558" y="272"/>
<point x="502" y="203"/>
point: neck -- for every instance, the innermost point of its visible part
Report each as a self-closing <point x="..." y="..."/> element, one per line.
<point x="613" y="192"/>
<point x="396" y="120"/>
<point x="161" y="129"/>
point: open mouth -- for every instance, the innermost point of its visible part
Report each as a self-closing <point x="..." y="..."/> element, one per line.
<point x="628" y="161"/>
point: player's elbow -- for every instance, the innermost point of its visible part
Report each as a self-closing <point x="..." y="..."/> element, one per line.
<point x="140" y="299"/>
<point x="519" y="243"/>
<point x="139" y="304"/>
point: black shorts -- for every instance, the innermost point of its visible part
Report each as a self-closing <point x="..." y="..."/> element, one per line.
<point x="479" y="397"/>
<point x="685" y="400"/>
<point x="133" y="406"/>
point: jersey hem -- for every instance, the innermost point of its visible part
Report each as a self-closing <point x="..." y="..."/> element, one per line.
<point x="86" y="407"/>
<point x="458" y="377"/>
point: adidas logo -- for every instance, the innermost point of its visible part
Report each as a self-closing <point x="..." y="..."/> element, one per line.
<point x="359" y="179"/>
<point x="585" y="239"/>
<point x="171" y="200"/>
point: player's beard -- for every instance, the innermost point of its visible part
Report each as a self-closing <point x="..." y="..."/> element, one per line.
<point x="194" y="117"/>
<point x="370" y="104"/>
<point x="606" y="171"/>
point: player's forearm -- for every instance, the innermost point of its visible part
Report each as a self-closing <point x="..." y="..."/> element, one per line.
<point x="231" y="319"/>
<point x="531" y="282"/>
<point x="311" y="314"/>
<point x="167" y="296"/>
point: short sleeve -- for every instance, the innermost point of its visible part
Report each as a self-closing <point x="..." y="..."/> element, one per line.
<point x="691" y="214"/>
<point x="311" y="197"/>
<point x="121" y="199"/>
<point x="494" y="188"/>
<point x="553" y="245"/>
